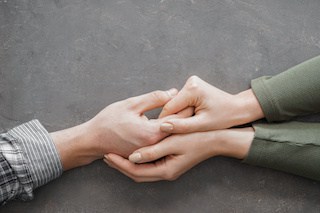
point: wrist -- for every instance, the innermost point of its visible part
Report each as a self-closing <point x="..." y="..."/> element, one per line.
<point x="247" y="107"/>
<point x="75" y="146"/>
<point x="234" y="142"/>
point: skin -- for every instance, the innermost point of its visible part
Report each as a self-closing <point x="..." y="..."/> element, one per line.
<point x="120" y="128"/>
<point x="200" y="137"/>
<point x="214" y="109"/>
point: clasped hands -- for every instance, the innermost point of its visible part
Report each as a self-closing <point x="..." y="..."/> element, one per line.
<point x="193" y="126"/>
<point x="191" y="130"/>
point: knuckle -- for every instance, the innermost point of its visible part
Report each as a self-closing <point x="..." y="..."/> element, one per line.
<point x="136" y="180"/>
<point x="150" y="141"/>
<point x="151" y="153"/>
<point x="193" y="83"/>
<point x="173" y="178"/>
<point x="166" y="108"/>
<point x="131" y="102"/>
<point x="153" y="138"/>
<point x="143" y="136"/>
<point x="193" y="78"/>
<point x="145" y="142"/>
<point x="182" y="127"/>
<point x="158" y="96"/>
<point x="164" y="175"/>
<point x="170" y="175"/>
<point x="148" y="137"/>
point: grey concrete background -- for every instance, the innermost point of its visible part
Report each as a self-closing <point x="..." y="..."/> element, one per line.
<point x="62" y="61"/>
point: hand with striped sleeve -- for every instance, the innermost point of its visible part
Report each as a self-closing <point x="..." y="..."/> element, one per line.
<point x="30" y="158"/>
<point x="120" y="128"/>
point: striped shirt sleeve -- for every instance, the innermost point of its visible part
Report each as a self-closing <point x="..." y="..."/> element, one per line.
<point x="28" y="159"/>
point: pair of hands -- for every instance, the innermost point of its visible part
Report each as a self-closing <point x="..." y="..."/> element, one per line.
<point x="200" y="136"/>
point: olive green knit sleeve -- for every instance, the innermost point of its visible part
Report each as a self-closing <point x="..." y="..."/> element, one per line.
<point x="292" y="147"/>
<point x="290" y="93"/>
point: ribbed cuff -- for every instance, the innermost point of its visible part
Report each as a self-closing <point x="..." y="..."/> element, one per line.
<point x="291" y="147"/>
<point x="39" y="151"/>
<point x="265" y="98"/>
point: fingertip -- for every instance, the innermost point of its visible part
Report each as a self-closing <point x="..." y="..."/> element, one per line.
<point x="172" y="92"/>
<point x="117" y="161"/>
<point x="106" y="157"/>
<point x="107" y="162"/>
<point x="113" y="157"/>
<point x="163" y="113"/>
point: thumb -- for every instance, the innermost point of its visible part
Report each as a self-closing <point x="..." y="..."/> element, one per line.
<point x="151" y="153"/>
<point x="184" y="125"/>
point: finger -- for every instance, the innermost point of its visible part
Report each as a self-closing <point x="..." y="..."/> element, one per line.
<point x="153" y="152"/>
<point x="138" y="172"/>
<point x="134" y="177"/>
<point x="185" y="125"/>
<point x="152" y="100"/>
<point x="157" y="122"/>
<point x="185" y="113"/>
<point x="108" y="163"/>
<point x="112" y="165"/>
<point x="181" y="101"/>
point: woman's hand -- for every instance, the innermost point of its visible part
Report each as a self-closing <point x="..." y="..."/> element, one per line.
<point x="178" y="153"/>
<point x="214" y="108"/>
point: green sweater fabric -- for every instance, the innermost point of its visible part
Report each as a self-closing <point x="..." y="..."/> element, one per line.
<point x="291" y="93"/>
<point x="292" y="147"/>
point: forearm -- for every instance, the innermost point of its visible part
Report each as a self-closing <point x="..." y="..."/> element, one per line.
<point x="286" y="95"/>
<point x="233" y="143"/>
<point x="76" y="146"/>
<point x="290" y="93"/>
<point x="246" y="108"/>
<point x="292" y="147"/>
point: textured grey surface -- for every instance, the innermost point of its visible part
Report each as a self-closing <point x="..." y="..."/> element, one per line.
<point x="61" y="61"/>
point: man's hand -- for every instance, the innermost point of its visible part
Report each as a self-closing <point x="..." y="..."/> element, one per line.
<point x="120" y="128"/>
<point x="214" y="108"/>
<point x="178" y="153"/>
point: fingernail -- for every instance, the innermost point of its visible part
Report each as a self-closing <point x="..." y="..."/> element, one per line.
<point x="135" y="157"/>
<point x="172" y="92"/>
<point x="108" y="163"/>
<point x="166" y="127"/>
<point x="106" y="157"/>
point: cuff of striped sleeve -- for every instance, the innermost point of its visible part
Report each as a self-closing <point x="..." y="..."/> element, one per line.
<point x="39" y="152"/>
